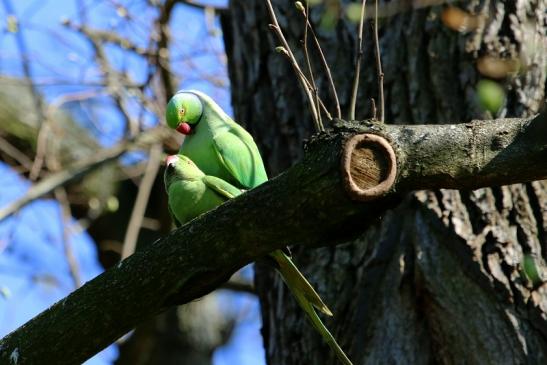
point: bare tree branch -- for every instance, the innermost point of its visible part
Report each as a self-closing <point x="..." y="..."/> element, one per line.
<point x="355" y="88"/>
<point x="80" y="168"/>
<point x="379" y="63"/>
<point x="324" y="62"/>
<point x="307" y="57"/>
<point x="195" y="259"/>
<point x="110" y="37"/>
<point x="162" y="53"/>
<point x="23" y="52"/>
<point x="66" y="215"/>
<point x="114" y="80"/>
<point x="475" y="154"/>
<point x="14" y="153"/>
<point x="137" y="215"/>
<point x="285" y="48"/>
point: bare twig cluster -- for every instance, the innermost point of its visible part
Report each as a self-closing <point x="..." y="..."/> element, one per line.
<point x="136" y="101"/>
<point x="308" y="82"/>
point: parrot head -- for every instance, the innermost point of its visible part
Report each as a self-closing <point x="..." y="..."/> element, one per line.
<point x="184" y="111"/>
<point x="180" y="167"/>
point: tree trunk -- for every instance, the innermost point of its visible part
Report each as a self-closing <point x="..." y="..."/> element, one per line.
<point x="439" y="278"/>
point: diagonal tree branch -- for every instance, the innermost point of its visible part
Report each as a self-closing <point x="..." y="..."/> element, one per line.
<point x="317" y="207"/>
<point x="80" y="168"/>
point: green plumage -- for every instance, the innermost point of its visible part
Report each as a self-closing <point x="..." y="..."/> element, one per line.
<point x="191" y="192"/>
<point x="218" y="145"/>
<point x="216" y="159"/>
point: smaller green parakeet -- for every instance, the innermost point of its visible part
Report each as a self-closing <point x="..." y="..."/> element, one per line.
<point x="192" y="193"/>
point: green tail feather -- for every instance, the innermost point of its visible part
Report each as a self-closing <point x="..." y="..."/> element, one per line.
<point x="307" y="298"/>
<point x="320" y="327"/>
<point x="297" y="283"/>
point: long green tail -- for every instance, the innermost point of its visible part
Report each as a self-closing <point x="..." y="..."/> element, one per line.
<point x="297" y="283"/>
<point x="307" y="298"/>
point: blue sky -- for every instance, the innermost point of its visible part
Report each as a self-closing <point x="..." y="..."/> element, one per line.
<point x="34" y="272"/>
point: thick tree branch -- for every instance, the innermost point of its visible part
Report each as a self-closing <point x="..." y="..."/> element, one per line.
<point x="306" y="205"/>
<point x="473" y="155"/>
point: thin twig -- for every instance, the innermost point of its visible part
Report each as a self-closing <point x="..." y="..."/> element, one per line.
<point x="114" y="80"/>
<point x="324" y="62"/>
<point x="46" y="126"/>
<point x="41" y="150"/>
<point x="115" y="38"/>
<point x="359" y="56"/>
<point x="307" y="83"/>
<point x="307" y="57"/>
<point x="27" y="71"/>
<point x="66" y="215"/>
<point x="373" y="107"/>
<point x="325" y="110"/>
<point x="287" y="50"/>
<point x="139" y="209"/>
<point x="163" y="62"/>
<point x="83" y="167"/>
<point x="15" y="153"/>
<point x="379" y="64"/>
<point x="38" y="103"/>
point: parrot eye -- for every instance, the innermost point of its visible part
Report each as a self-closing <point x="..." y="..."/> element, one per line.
<point x="182" y="111"/>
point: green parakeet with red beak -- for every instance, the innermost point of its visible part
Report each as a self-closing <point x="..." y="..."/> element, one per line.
<point x="218" y="145"/>
<point x="191" y="192"/>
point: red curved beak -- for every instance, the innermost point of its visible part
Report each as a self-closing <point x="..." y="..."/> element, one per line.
<point x="184" y="128"/>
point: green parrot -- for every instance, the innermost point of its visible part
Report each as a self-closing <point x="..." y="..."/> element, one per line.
<point x="218" y="145"/>
<point x="191" y="192"/>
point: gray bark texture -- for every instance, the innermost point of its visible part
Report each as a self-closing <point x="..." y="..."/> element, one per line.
<point x="439" y="278"/>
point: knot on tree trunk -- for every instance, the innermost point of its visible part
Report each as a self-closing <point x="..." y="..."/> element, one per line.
<point x="369" y="166"/>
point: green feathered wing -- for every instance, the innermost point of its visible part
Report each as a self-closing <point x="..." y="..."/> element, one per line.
<point x="220" y="147"/>
<point x="173" y="218"/>
<point x="221" y="187"/>
<point x="238" y="153"/>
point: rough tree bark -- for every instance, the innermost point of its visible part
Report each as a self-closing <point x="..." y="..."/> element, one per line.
<point x="437" y="279"/>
